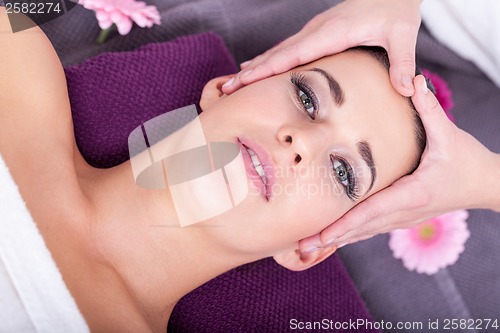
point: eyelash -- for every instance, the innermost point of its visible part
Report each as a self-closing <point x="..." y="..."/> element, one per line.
<point x="300" y="84"/>
<point x="352" y="189"/>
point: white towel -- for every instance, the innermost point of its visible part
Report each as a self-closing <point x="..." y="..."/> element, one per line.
<point x="470" y="28"/>
<point x="33" y="296"/>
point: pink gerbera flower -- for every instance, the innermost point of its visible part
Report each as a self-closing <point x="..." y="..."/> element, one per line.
<point x="122" y="13"/>
<point x="433" y="244"/>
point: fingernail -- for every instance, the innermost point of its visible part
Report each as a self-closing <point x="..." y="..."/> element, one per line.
<point x="311" y="249"/>
<point x="246" y="73"/>
<point x="406" y="81"/>
<point x="228" y="83"/>
<point x="425" y="90"/>
<point x="243" y="64"/>
<point x="342" y="245"/>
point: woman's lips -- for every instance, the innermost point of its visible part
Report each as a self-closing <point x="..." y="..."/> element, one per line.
<point x="263" y="185"/>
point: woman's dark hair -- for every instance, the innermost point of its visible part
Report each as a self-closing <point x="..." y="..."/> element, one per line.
<point x="380" y="54"/>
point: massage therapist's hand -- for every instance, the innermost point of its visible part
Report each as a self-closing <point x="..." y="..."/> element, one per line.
<point x="456" y="172"/>
<point x="392" y="24"/>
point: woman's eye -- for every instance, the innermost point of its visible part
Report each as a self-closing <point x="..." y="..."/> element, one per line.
<point x="305" y="95"/>
<point x="308" y="104"/>
<point x="343" y="172"/>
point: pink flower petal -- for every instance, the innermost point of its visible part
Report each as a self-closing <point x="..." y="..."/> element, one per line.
<point x="103" y="19"/>
<point x="139" y="19"/>
<point x="124" y="27"/>
<point x="102" y="15"/>
<point x="107" y="7"/>
<point x="122" y="13"/>
<point x="432" y="245"/>
<point x="118" y="17"/>
<point x="105" y="24"/>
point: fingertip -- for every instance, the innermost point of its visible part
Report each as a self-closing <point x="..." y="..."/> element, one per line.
<point x="228" y="83"/>
<point x="249" y="75"/>
<point x="246" y="73"/>
<point x="407" y="85"/>
<point x="328" y="239"/>
<point x="231" y="85"/>
<point x="420" y="84"/>
<point x="402" y="75"/>
<point x="245" y="64"/>
<point x="403" y="84"/>
<point x="310" y="244"/>
<point x="243" y="78"/>
<point x="421" y="93"/>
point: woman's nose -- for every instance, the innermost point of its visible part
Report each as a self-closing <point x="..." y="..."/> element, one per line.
<point x="298" y="143"/>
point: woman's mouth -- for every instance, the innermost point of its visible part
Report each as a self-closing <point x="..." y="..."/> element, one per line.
<point x="258" y="165"/>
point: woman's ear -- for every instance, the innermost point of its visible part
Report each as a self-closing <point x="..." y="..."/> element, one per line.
<point x="295" y="260"/>
<point x="213" y="90"/>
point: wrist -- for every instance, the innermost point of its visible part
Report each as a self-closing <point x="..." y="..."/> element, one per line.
<point x="491" y="183"/>
<point x="495" y="180"/>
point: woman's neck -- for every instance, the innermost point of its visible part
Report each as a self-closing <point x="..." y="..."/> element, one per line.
<point x="139" y="237"/>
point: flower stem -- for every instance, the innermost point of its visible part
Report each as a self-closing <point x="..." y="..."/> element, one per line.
<point x="104" y="34"/>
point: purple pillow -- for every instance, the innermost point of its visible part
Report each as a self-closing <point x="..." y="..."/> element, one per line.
<point x="265" y="297"/>
<point x="114" y="93"/>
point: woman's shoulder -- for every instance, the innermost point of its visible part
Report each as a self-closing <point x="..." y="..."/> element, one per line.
<point x="36" y="131"/>
<point x="34" y="102"/>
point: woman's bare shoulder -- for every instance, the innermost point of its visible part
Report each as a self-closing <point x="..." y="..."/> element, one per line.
<point x="34" y="101"/>
<point x="36" y="130"/>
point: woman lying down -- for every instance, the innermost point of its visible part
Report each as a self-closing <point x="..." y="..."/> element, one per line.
<point x="339" y="113"/>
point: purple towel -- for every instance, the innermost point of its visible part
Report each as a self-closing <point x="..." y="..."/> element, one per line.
<point x="112" y="94"/>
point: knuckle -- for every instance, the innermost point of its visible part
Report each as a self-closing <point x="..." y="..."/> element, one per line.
<point x="331" y="23"/>
<point x="289" y="49"/>
<point x="374" y="212"/>
<point x="313" y="23"/>
<point x="361" y="228"/>
<point x="407" y="59"/>
<point x="406" y="28"/>
<point x="321" y="17"/>
<point x="434" y="106"/>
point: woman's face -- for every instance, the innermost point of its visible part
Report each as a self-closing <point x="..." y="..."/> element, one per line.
<point x="328" y="135"/>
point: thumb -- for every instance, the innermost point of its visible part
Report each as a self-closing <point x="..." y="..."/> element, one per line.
<point x="436" y="123"/>
<point x="402" y="67"/>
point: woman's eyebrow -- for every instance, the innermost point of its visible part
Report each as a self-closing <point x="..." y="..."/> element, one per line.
<point x="366" y="154"/>
<point x="335" y="89"/>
